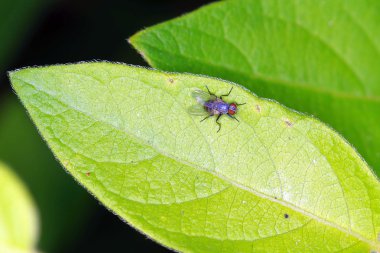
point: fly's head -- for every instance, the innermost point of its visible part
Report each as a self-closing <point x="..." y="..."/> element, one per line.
<point x="232" y="109"/>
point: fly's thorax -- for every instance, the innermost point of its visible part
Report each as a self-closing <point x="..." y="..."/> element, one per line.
<point x="217" y="106"/>
<point x="222" y="107"/>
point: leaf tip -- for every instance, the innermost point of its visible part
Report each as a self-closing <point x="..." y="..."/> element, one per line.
<point x="15" y="74"/>
<point x="134" y="41"/>
<point x="15" y="79"/>
<point x="11" y="74"/>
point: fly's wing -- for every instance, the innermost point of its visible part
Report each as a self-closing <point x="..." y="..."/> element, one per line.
<point x="202" y="97"/>
<point x="197" y="110"/>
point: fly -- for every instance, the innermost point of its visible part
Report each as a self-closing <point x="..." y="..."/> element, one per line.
<point x="213" y="105"/>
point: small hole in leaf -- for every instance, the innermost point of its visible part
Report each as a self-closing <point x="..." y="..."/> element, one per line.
<point x="286" y="216"/>
<point x="171" y="80"/>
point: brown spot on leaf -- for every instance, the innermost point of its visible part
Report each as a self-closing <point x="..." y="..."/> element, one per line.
<point x="88" y="174"/>
<point x="171" y="80"/>
<point x="258" y="108"/>
<point x="288" y="123"/>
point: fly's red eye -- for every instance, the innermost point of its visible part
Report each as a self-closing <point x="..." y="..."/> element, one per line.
<point x="232" y="109"/>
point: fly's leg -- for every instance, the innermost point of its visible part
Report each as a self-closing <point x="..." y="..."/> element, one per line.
<point x="233" y="117"/>
<point x="208" y="116"/>
<point x="240" y="104"/>
<point x="225" y="95"/>
<point x="209" y="92"/>
<point x="217" y="122"/>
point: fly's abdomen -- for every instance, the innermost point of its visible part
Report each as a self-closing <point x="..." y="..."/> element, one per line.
<point x="209" y="107"/>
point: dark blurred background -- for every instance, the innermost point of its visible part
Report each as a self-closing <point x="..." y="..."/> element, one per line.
<point x="43" y="32"/>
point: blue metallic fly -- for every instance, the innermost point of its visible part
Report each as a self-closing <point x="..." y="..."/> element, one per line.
<point x="213" y="105"/>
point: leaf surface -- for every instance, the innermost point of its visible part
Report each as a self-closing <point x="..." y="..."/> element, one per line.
<point x="318" y="57"/>
<point x="275" y="180"/>
<point x="18" y="215"/>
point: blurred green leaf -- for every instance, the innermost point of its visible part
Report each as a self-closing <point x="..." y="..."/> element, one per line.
<point x="18" y="215"/>
<point x="16" y="18"/>
<point x="275" y="181"/>
<point x="319" y="57"/>
<point x="62" y="203"/>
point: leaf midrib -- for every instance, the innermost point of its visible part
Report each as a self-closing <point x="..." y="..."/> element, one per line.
<point x="232" y="182"/>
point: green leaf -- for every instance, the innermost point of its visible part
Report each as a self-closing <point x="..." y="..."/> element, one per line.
<point x="318" y="57"/>
<point x="18" y="215"/>
<point x="275" y="181"/>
